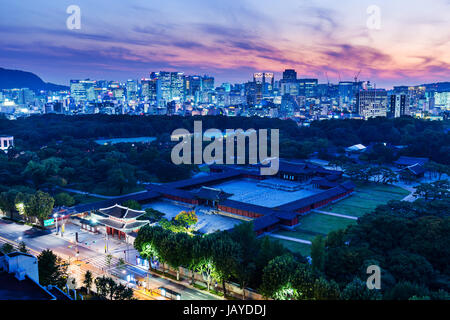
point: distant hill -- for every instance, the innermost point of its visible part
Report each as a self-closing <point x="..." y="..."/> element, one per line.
<point x="438" y="86"/>
<point x="11" y="79"/>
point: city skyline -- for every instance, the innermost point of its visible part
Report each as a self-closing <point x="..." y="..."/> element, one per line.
<point x="229" y="41"/>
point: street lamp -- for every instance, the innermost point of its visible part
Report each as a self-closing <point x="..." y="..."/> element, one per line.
<point x="56" y="221"/>
<point x="106" y="242"/>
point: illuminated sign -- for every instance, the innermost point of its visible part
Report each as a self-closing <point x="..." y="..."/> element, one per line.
<point x="49" y="222"/>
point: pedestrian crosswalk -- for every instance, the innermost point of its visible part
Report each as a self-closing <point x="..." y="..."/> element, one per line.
<point x="101" y="262"/>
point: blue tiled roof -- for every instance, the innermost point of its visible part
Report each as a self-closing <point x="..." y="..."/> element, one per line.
<point x="302" y="203"/>
<point x="409" y="161"/>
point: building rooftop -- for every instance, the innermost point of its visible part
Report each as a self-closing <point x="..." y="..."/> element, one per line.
<point x="416" y="169"/>
<point x="264" y="222"/>
<point x="13" y="289"/>
<point x="120" y="212"/>
<point x="302" y="203"/>
<point x="58" y="293"/>
<point x="201" y="181"/>
<point x="212" y="194"/>
<point x="409" y="161"/>
<point x="18" y="253"/>
<point x="123" y="226"/>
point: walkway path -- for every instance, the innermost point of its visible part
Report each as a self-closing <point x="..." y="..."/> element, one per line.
<point x="410" y="197"/>
<point x="290" y="238"/>
<point x="336" y="215"/>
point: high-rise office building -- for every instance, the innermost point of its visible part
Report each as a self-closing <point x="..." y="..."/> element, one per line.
<point x="269" y="80"/>
<point x="170" y="87"/>
<point x="24" y="96"/>
<point x="208" y="83"/>
<point x="398" y="105"/>
<point x="178" y="86"/>
<point x="163" y="89"/>
<point x="288" y="106"/>
<point x="261" y="86"/>
<point x="289" y="83"/>
<point x="372" y="103"/>
<point x="193" y="85"/>
<point x="290" y="75"/>
<point x="82" y="90"/>
<point x="345" y="92"/>
<point x="265" y="80"/>
<point x="256" y="89"/>
<point x="148" y="89"/>
<point x="441" y="100"/>
<point x="308" y="87"/>
<point x="132" y="89"/>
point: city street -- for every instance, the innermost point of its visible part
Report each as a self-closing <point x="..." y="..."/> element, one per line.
<point x="92" y="257"/>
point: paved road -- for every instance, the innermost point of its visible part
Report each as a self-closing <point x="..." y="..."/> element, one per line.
<point x="38" y="240"/>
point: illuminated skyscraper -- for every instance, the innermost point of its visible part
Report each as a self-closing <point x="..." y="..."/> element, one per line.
<point x="132" y="88"/>
<point x="82" y="90"/>
<point x="148" y="89"/>
<point x="170" y="87"/>
<point x="372" y="103"/>
<point x="398" y="105"/>
<point x="308" y="87"/>
<point x="290" y="75"/>
<point x="208" y="83"/>
<point x="177" y="86"/>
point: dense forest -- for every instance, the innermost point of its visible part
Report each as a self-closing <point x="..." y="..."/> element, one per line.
<point x="422" y="138"/>
<point x="56" y="150"/>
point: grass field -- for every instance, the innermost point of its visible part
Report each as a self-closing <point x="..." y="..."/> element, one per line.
<point x="324" y="224"/>
<point x="310" y="226"/>
<point x="366" y="198"/>
<point x="303" y="249"/>
<point x="296" y="234"/>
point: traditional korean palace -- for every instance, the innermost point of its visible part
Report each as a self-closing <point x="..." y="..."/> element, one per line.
<point x="120" y="221"/>
<point x="197" y="191"/>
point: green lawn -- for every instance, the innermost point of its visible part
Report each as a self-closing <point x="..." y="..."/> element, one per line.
<point x="203" y="168"/>
<point x="310" y="226"/>
<point x="296" y="234"/>
<point x="303" y="249"/>
<point x="321" y="223"/>
<point x="366" y="198"/>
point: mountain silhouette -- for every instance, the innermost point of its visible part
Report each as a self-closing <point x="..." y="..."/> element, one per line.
<point x="16" y="79"/>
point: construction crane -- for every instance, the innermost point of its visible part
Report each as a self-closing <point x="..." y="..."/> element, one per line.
<point x="357" y="75"/>
<point x="328" y="81"/>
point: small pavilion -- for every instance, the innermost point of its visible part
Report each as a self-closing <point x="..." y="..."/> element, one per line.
<point x="120" y="220"/>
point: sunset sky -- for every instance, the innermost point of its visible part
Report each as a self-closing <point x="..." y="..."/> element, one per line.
<point x="228" y="39"/>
